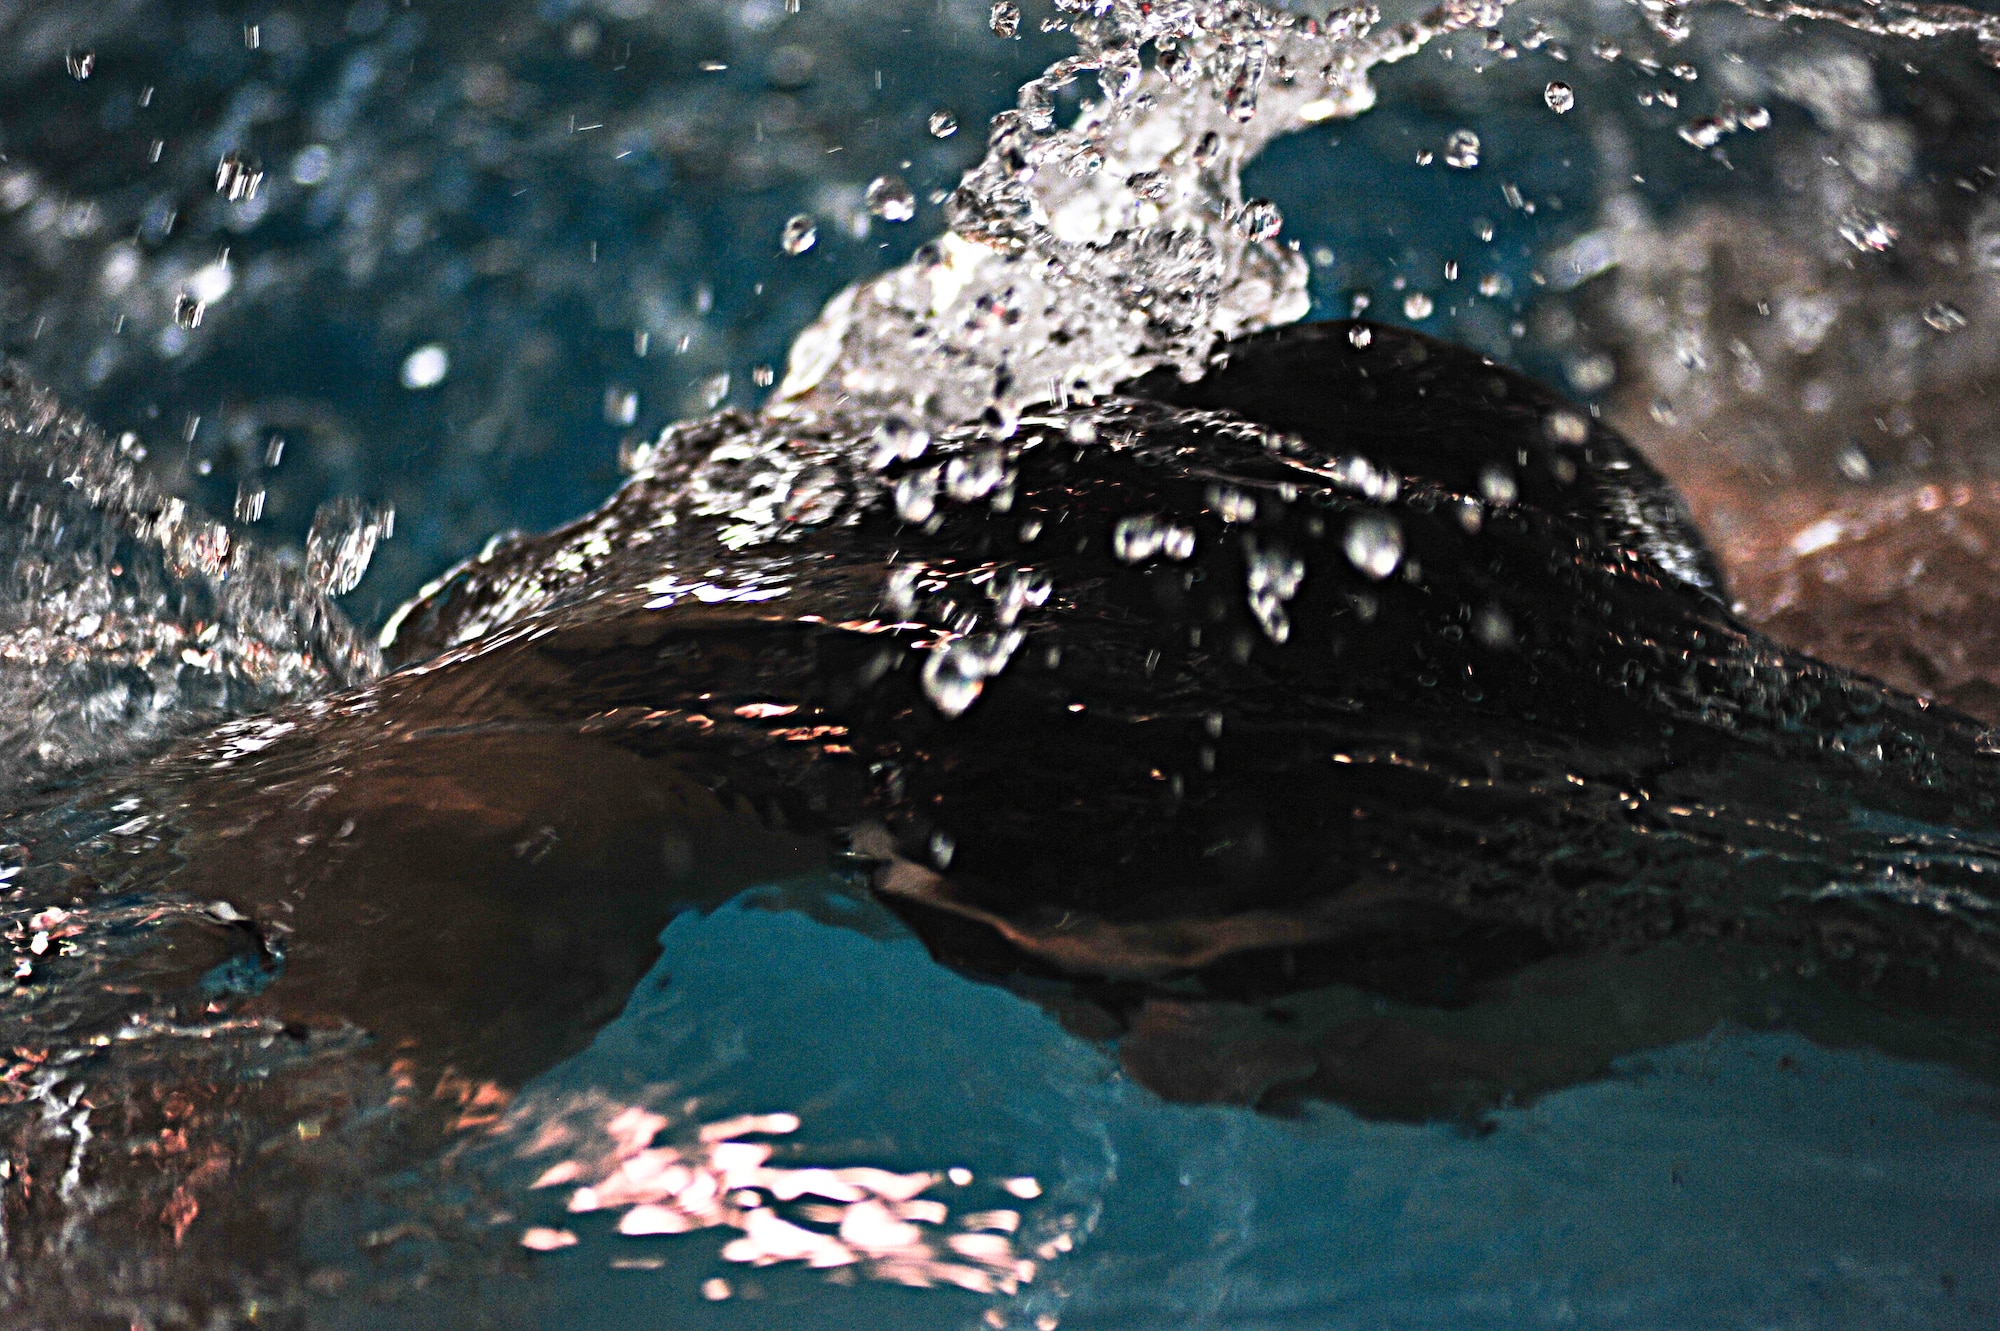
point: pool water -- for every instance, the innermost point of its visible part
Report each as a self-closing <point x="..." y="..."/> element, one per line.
<point x="330" y="1009"/>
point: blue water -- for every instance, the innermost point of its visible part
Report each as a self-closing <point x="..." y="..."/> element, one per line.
<point x="1745" y="1180"/>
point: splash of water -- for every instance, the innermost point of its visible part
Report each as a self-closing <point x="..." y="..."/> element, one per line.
<point x="1081" y="256"/>
<point x="128" y="617"/>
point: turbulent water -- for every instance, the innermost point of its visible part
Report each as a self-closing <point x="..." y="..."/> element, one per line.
<point x="1090" y="806"/>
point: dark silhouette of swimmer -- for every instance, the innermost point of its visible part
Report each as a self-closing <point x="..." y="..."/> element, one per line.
<point x="1361" y="669"/>
<point x="1363" y="723"/>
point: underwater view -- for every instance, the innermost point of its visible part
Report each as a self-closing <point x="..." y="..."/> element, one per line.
<point x="999" y="664"/>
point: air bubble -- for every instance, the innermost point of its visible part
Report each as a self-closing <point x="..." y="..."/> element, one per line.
<point x="1005" y="18"/>
<point x="1417" y="305"/>
<point x="943" y="124"/>
<point x="1559" y="96"/>
<point x="1461" y="149"/>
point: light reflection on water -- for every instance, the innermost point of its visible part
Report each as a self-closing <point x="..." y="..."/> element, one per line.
<point x="1691" y="1188"/>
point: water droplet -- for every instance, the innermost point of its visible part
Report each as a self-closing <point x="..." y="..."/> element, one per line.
<point x="1945" y="317"/>
<point x="1461" y="149"/>
<point x="896" y="440"/>
<point x="1867" y="230"/>
<point x="1005" y="18"/>
<point x="1363" y="477"/>
<point x="1144" y="535"/>
<point x="237" y="177"/>
<point x="426" y="367"/>
<point x="81" y="64"/>
<point x="1705" y="131"/>
<point x="188" y="310"/>
<point x="971" y="476"/>
<point x="916" y="496"/>
<point x="1231" y="504"/>
<point x="313" y="164"/>
<point x="1374" y="544"/>
<point x="1559" y="96"/>
<point x="943" y="124"/>
<point x="955" y="674"/>
<point x="1493" y="627"/>
<point x="1496" y="484"/>
<point x="1273" y="575"/>
<point x="249" y="502"/>
<point x="1206" y="148"/>
<point x="543" y="1239"/>
<point x="799" y="235"/>
<point x="1260" y="219"/>
<point x="890" y="199"/>
<point x="342" y="542"/>
<point x="1566" y="427"/>
<point x="1360" y="335"/>
<point x="1417" y="305"/>
<point x="1018" y="591"/>
<point x="900" y="592"/>
<point x="621" y="406"/>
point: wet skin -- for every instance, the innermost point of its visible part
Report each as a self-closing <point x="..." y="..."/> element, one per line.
<point x="1402" y="858"/>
